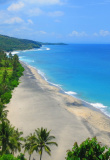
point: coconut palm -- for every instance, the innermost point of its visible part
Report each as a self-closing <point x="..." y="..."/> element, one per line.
<point x="15" y="140"/>
<point x="29" y="143"/>
<point x="43" y="141"/>
<point x="10" y="139"/>
<point x="4" y="76"/>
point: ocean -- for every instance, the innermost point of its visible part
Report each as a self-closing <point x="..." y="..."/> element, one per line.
<point x="81" y="70"/>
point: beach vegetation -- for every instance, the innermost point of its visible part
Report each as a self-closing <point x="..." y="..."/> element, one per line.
<point x="8" y="157"/>
<point x="21" y="156"/>
<point x="38" y="141"/>
<point x="29" y="143"/>
<point x="10" y="138"/>
<point x="90" y="149"/>
<point x="43" y="141"/>
<point x="10" y="72"/>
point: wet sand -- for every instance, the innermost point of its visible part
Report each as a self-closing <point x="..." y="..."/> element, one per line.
<point x="36" y="104"/>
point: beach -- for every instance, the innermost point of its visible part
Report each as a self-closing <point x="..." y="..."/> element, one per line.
<point x="35" y="104"/>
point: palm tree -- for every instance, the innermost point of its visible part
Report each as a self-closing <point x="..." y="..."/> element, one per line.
<point x="10" y="139"/>
<point x="4" y="76"/>
<point x="15" y="140"/>
<point x="29" y="143"/>
<point x="3" y="112"/>
<point x="43" y="140"/>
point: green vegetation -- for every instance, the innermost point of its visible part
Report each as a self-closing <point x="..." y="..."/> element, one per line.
<point x="39" y="140"/>
<point x="90" y="149"/>
<point x="10" y="71"/>
<point x="8" y="157"/>
<point x="11" y="44"/>
<point x="11" y="140"/>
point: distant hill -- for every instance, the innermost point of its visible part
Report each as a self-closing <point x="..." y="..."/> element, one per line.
<point x="10" y="44"/>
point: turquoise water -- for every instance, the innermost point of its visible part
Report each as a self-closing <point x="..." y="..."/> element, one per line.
<point x="80" y="70"/>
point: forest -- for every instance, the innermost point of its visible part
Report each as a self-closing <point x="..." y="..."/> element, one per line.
<point x="11" y="44"/>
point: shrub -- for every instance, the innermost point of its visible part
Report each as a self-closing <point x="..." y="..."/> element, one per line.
<point x="8" y="157"/>
<point x="5" y="98"/>
<point x="90" y="149"/>
<point x="21" y="156"/>
<point x="14" y="83"/>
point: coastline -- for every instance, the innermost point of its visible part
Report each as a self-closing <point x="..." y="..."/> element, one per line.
<point x="41" y="104"/>
<point x="85" y="110"/>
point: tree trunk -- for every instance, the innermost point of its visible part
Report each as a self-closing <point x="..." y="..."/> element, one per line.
<point x="41" y="154"/>
<point x="30" y="157"/>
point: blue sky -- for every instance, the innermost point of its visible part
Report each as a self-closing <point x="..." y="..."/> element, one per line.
<point x="67" y="21"/>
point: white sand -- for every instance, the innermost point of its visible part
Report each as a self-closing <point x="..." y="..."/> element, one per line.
<point x="37" y="104"/>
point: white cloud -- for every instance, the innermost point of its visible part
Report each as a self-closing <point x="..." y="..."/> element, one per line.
<point x="56" y="14"/>
<point x="104" y="33"/>
<point x="13" y="20"/>
<point x="44" y="2"/>
<point x="42" y="32"/>
<point x="95" y="34"/>
<point x="78" y="34"/>
<point x="57" y="21"/>
<point x="30" y="21"/>
<point x="35" y="12"/>
<point x="16" y="6"/>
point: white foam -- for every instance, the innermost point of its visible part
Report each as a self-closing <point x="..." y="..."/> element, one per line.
<point x="25" y="60"/>
<point x="47" y="49"/>
<point x="42" y="74"/>
<point x="98" y="105"/>
<point x="14" y="52"/>
<point x="71" y="93"/>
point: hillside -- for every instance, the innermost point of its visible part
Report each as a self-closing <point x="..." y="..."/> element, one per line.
<point x="10" y="44"/>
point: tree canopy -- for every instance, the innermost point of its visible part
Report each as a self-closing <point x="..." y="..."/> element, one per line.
<point x="10" y="44"/>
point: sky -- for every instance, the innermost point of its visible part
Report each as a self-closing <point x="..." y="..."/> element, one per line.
<point x="68" y="21"/>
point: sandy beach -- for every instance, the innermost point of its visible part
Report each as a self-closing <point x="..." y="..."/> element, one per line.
<point x="35" y="104"/>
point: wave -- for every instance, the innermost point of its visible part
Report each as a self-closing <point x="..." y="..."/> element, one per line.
<point x="14" y="52"/>
<point x="98" y="105"/>
<point x="25" y="60"/>
<point x="101" y="107"/>
<point x="71" y="93"/>
<point x="47" y="49"/>
<point x="43" y="75"/>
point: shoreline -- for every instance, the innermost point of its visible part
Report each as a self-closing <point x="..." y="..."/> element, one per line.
<point x="85" y="105"/>
<point x="60" y="90"/>
<point x="35" y="103"/>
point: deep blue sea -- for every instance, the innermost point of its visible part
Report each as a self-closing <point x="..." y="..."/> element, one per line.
<point x="81" y="70"/>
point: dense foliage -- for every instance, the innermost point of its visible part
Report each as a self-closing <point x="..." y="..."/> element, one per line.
<point x="11" y="44"/>
<point x="10" y="138"/>
<point x="10" y="71"/>
<point x="90" y="149"/>
<point x="8" y="157"/>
